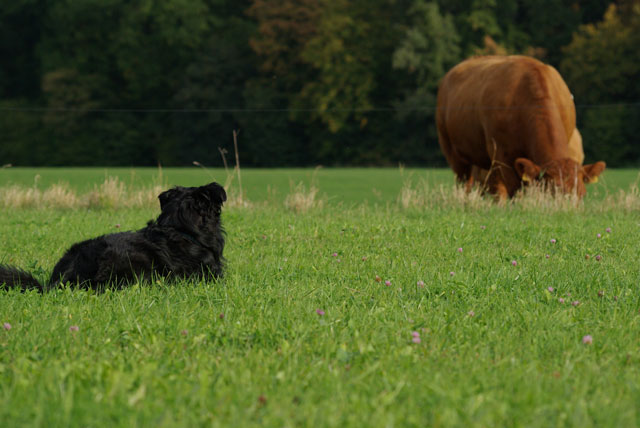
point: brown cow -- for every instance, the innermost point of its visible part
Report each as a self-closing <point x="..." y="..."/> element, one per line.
<point x="515" y="115"/>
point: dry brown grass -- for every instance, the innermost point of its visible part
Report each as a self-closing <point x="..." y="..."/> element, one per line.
<point x="113" y="194"/>
<point x="302" y="200"/>
<point x="423" y="195"/>
<point x="110" y="194"/>
<point x="532" y="198"/>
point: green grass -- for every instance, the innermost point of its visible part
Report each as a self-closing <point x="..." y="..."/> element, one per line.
<point x="162" y="355"/>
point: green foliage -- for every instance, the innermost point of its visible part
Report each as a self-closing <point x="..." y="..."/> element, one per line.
<point x="602" y="66"/>
<point x="115" y="82"/>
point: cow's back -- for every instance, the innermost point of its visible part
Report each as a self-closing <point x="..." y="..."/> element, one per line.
<point x="501" y="103"/>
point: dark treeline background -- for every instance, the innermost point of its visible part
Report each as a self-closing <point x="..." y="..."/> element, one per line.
<point x="307" y="82"/>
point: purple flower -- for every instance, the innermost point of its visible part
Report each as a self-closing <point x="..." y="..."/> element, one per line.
<point x="415" y="334"/>
<point x="320" y="312"/>
<point x="6" y="326"/>
<point x="575" y="302"/>
<point x="547" y="256"/>
<point x="74" y="328"/>
<point x="452" y="273"/>
<point x="420" y="284"/>
<point x="460" y="250"/>
<point x="514" y="263"/>
<point x="598" y="236"/>
<point x="587" y="340"/>
<point x="598" y="257"/>
<point x="608" y="230"/>
<point x="553" y="241"/>
<point x="560" y="300"/>
<point x="471" y="314"/>
<point x="551" y="289"/>
<point x="387" y="283"/>
<point x="184" y="332"/>
<point x="335" y="254"/>
<point x="416" y="339"/>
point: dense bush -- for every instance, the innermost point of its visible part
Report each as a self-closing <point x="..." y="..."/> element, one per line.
<point x="333" y="82"/>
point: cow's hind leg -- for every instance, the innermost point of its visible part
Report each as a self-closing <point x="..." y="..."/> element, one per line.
<point x="461" y="168"/>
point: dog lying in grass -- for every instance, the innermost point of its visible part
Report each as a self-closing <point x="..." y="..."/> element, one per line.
<point x="185" y="241"/>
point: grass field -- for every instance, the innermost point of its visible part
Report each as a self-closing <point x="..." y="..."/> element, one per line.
<point x="359" y="312"/>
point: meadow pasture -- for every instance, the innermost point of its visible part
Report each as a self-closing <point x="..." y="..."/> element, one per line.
<point x="386" y="299"/>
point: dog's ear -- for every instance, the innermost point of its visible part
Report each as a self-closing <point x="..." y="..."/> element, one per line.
<point x="213" y="193"/>
<point x="166" y="196"/>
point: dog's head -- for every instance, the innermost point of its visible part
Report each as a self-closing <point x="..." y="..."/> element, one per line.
<point x="193" y="209"/>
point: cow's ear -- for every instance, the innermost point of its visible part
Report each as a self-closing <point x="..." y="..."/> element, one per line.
<point x="527" y="170"/>
<point x="593" y="171"/>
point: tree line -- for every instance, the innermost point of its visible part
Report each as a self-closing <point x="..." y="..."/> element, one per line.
<point x="305" y="82"/>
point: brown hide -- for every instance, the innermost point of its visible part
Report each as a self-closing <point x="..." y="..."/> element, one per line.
<point x="512" y="114"/>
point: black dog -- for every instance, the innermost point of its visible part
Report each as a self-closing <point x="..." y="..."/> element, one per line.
<point x="186" y="240"/>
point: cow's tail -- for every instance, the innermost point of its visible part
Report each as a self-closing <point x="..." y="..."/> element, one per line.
<point x="11" y="277"/>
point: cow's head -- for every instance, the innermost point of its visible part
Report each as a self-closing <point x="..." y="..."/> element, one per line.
<point x="565" y="175"/>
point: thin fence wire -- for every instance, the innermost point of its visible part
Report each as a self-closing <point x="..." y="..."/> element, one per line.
<point x="292" y="110"/>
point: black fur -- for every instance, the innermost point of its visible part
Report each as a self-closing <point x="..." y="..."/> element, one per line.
<point x="186" y="240"/>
